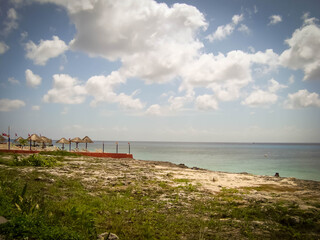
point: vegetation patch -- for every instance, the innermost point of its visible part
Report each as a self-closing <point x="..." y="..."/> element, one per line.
<point x="42" y="205"/>
<point x="36" y="160"/>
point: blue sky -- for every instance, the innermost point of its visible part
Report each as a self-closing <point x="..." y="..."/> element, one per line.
<point x="205" y="70"/>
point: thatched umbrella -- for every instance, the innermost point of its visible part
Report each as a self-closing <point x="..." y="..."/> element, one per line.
<point x="45" y="140"/>
<point x="18" y="139"/>
<point x="35" y="138"/>
<point x="76" y="140"/>
<point x="87" y="140"/>
<point x="63" y="141"/>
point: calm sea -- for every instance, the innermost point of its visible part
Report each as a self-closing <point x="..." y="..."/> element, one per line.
<point x="289" y="160"/>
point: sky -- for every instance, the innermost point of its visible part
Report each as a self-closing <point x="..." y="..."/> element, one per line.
<point x="146" y="70"/>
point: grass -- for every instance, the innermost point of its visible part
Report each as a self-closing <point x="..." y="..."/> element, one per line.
<point x="41" y="205"/>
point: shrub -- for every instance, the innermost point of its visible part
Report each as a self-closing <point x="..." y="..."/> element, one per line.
<point x="35" y="160"/>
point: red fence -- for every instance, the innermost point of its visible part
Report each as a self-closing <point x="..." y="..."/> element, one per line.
<point x="90" y="154"/>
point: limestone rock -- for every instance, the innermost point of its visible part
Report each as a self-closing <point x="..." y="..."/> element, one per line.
<point x="108" y="236"/>
<point x="3" y="220"/>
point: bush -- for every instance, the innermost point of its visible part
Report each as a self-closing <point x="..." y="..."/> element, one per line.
<point x="35" y="160"/>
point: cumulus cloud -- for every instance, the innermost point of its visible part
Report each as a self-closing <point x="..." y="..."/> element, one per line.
<point x="302" y="99"/>
<point x="275" y="86"/>
<point x="7" y="105"/>
<point x="3" y="47"/>
<point x="206" y="102"/>
<point x="11" y="22"/>
<point x="65" y="90"/>
<point x="262" y="98"/>
<point x="226" y="74"/>
<point x="102" y="88"/>
<point x="33" y="80"/>
<point x="45" y="50"/>
<point x="274" y="19"/>
<point x="152" y="40"/>
<point x="154" y="109"/>
<point x="69" y="90"/>
<point x="304" y="51"/>
<point x="158" y="44"/>
<point x="225" y="30"/>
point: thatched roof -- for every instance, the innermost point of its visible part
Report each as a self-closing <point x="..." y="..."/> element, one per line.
<point x="34" y="137"/>
<point x="45" y="139"/>
<point x="18" y="139"/>
<point x="76" y="140"/>
<point x="63" y="140"/>
<point x="86" y="139"/>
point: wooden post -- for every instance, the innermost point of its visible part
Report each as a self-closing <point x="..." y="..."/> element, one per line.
<point x="102" y="147"/>
<point x="9" y="138"/>
<point x="116" y="147"/>
<point x="129" y="147"/>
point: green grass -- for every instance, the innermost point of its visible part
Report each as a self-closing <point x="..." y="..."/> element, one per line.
<point x="59" y="153"/>
<point x="41" y="205"/>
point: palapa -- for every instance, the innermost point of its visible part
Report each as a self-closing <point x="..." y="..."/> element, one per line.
<point x="76" y="140"/>
<point x="35" y="138"/>
<point x="87" y="140"/>
<point x="63" y="141"/>
<point x="18" y="139"/>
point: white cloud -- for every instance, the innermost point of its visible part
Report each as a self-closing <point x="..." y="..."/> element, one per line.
<point x="302" y="99"/>
<point x="3" y="47"/>
<point x="177" y="103"/>
<point x="225" y="30"/>
<point x="304" y="51"/>
<point x="291" y="79"/>
<point x="274" y="19"/>
<point x="65" y="90"/>
<point x="35" y="108"/>
<point x="45" y="50"/>
<point x="274" y="86"/>
<point x="102" y="89"/>
<point x="73" y="6"/>
<point x="154" y="109"/>
<point x="33" y="80"/>
<point x="206" y="102"/>
<point x="13" y="81"/>
<point x="260" y="98"/>
<point x="11" y="22"/>
<point x="159" y="44"/>
<point x="128" y="102"/>
<point x="7" y="105"/>
<point x="268" y="60"/>
<point x="244" y="29"/>
<point x="152" y="40"/>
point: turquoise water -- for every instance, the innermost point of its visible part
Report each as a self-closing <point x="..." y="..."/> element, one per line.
<point x="289" y="160"/>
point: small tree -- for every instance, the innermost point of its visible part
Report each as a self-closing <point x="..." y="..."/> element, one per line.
<point x="23" y="142"/>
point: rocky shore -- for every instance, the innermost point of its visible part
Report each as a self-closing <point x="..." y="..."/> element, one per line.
<point x="226" y="204"/>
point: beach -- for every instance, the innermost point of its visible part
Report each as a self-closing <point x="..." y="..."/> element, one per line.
<point x="150" y="189"/>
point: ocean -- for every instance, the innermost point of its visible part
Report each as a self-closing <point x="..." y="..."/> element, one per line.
<point x="289" y="160"/>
